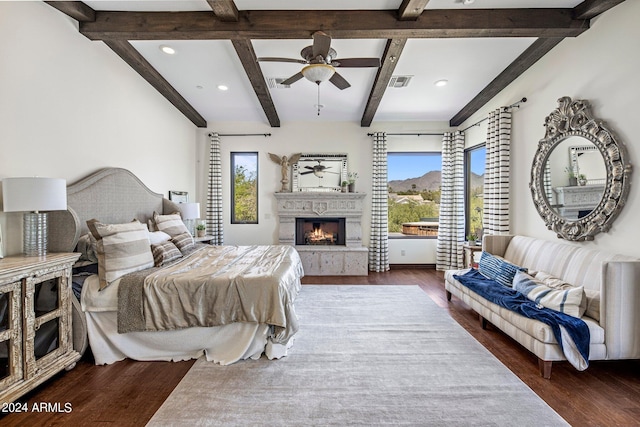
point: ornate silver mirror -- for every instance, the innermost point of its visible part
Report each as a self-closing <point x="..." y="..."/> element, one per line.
<point x="580" y="173"/>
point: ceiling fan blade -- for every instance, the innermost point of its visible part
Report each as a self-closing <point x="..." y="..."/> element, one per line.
<point x="292" y="79"/>
<point x="271" y="59"/>
<point x="339" y="81"/>
<point x="356" y="62"/>
<point x="306" y="173"/>
<point x="321" y="44"/>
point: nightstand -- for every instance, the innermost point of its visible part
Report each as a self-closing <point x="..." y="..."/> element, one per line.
<point x="203" y="239"/>
<point x="36" y="337"/>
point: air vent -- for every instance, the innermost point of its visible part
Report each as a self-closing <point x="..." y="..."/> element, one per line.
<point x="399" y="81"/>
<point x="276" y="83"/>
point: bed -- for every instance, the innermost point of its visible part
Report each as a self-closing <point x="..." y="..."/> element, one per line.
<point x="227" y="302"/>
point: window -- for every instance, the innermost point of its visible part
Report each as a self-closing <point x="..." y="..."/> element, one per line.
<point x="474" y="188"/>
<point x="244" y="188"/>
<point x="414" y="194"/>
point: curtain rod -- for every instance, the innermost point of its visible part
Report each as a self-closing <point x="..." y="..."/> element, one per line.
<point x="412" y="134"/>
<point x="242" y="134"/>
<point x="514" y="105"/>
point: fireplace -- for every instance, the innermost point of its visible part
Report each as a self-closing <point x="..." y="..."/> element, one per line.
<point x="320" y="231"/>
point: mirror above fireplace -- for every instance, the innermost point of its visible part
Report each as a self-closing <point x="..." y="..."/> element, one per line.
<point x="319" y="172"/>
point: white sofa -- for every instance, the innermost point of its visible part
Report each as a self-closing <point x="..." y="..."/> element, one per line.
<point x="611" y="282"/>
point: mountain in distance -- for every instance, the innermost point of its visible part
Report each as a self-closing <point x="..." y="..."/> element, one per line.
<point x="429" y="181"/>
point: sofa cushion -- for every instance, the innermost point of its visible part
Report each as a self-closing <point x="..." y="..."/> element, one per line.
<point x="498" y="269"/>
<point x="551" y="293"/>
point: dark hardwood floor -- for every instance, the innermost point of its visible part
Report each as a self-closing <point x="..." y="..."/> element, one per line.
<point x="128" y="393"/>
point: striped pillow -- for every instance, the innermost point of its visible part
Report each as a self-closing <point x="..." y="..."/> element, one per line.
<point x="122" y="249"/>
<point x="164" y="252"/>
<point x="171" y="224"/>
<point x="498" y="269"/>
<point x="183" y="241"/>
<point x="567" y="299"/>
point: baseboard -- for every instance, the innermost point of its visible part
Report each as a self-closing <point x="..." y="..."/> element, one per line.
<point x="406" y="266"/>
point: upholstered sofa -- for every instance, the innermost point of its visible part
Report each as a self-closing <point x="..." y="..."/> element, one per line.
<point x="612" y="288"/>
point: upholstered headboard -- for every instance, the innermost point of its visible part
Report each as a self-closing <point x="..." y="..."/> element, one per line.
<point x="112" y="196"/>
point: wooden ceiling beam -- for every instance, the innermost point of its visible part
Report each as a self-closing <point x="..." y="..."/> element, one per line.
<point x="591" y="8"/>
<point x="300" y="24"/>
<point x="225" y="10"/>
<point x="131" y="56"/>
<point x="75" y="9"/>
<point x="411" y="9"/>
<point x="390" y="58"/>
<point x="247" y="56"/>
<point x="529" y="57"/>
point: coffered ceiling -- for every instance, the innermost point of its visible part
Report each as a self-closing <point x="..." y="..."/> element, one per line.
<point x="478" y="47"/>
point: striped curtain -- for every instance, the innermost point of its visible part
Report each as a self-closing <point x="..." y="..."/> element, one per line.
<point x="451" y="228"/>
<point x="214" y="192"/>
<point x="496" y="178"/>
<point x="379" y="241"/>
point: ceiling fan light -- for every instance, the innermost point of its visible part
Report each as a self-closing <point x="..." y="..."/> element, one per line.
<point x="318" y="73"/>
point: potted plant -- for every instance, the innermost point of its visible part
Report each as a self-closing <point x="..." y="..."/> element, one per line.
<point x="471" y="238"/>
<point x="345" y="188"/>
<point x="352" y="181"/>
<point x="582" y="179"/>
<point x="201" y="230"/>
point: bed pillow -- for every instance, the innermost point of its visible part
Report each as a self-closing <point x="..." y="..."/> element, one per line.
<point x="183" y="241"/>
<point x="497" y="268"/>
<point x="171" y="224"/>
<point x="568" y="299"/>
<point x="164" y="252"/>
<point x="157" y="237"/>
<point x="122" y="249"/>
<point x="87" y="246"/>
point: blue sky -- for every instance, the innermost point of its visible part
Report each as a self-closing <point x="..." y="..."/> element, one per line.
<point x="413" y="165"/>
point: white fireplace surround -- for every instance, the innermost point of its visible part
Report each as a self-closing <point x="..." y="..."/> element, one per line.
<point x="350" y="259"/>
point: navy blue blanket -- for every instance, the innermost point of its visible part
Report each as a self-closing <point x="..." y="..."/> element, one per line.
<point x="515" y="301"/>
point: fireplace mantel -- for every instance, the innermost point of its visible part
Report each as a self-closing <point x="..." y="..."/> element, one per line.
<point x="351" y="259"/>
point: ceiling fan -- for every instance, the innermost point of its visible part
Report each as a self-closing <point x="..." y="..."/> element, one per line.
<point x="321" y="63"/>
<point x="318" y="170"/>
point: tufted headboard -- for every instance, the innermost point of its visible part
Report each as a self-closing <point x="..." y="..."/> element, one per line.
<point x="111" y="195"/>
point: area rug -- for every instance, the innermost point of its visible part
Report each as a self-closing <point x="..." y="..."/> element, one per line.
<point x="364" y="355"/>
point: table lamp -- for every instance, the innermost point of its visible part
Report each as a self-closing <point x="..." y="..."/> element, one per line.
<point x="189" y="212"/>
<point x="33" y="195"/>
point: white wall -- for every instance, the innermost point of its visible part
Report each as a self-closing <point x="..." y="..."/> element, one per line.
<point x="601" y="66"/>
<point x="312" y="137"/>
<point x="70" y="106"/>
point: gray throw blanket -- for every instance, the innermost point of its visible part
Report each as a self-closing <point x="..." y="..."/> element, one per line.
<point x="213" y="286"/>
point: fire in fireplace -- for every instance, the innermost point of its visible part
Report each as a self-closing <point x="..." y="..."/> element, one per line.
<point x="320" y="231"/>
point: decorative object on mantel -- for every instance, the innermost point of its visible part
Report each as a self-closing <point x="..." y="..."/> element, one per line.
<point x="345" y="186"/>
<point x="319" y="172"/>
<point x="573" y="119"/>
<point x="353" y="176"/>
<point x="33" y="195"/>
<point x="572" y="176"/>
<point x="284" y="163"/>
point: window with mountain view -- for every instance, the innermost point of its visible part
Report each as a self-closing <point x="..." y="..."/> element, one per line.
<point x="474" y="188"/>
<point x="414" y="193"/>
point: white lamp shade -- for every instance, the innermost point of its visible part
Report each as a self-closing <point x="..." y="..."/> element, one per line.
<point x="318" y="72"/>
<point x="34" y="194"/>
<point x="189" y="210"/>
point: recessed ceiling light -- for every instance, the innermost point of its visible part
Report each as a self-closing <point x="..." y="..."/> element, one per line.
<point x="168" y="50"/>
<point x="223" y="87"/>
<point x="441" y="83"/>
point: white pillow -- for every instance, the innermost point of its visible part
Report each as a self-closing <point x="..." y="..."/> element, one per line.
<point x="157" y="237"/>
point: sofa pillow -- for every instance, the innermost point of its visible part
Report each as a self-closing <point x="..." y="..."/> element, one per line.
<point x="122" y="249"/>
<point x="164" y="252"/>
<point x="568" y="300"/>
<point x="171" y="224"/>
<point x="183" y="241"/>
<point x="497" y="268"/>
<point x="557" y="283"/>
